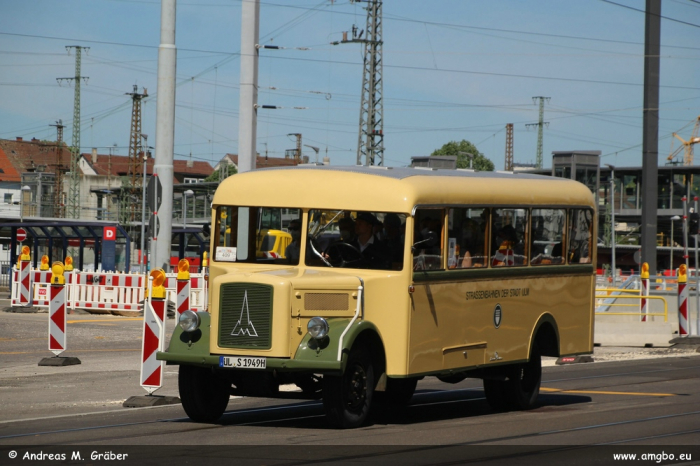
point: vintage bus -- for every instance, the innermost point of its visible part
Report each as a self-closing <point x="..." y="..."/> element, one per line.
<point x="393" y="274"/>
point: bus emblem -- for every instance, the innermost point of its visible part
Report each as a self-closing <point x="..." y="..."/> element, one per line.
<point x="497" y="315"/>
<point x="247" y="327"/>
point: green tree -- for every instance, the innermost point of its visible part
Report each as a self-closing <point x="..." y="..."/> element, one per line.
<point x="215" y="176"/>
<point x="481" y="162"/>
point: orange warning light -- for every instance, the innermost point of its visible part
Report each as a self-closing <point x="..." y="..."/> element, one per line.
<point x="57" y="270"/>
<point x="645" y="270"/>
<point x="69" y="263"/>
<point x="25" y="253"/>
<point x="158" y="277"/>
<point x="183" y="269"/>
<point x="44" y="263"/>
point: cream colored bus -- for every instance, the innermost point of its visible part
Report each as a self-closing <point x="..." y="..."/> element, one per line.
<point x="393" y="274"/>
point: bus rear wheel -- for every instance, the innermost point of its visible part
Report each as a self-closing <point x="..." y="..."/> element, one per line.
<point x="347" y="398"/>
<point x="524" y="381"/>
<point x="521" y="388"/>
<point x="204" y="395"/>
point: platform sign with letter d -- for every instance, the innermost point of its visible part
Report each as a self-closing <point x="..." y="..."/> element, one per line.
<point x="109" y="250"/>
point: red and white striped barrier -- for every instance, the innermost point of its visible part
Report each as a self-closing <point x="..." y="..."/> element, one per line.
<point x="153" y="336"/>
<point x="644" y="292"/>
<point x="107" y="291"/>
<point x="23" y="285"/>
<point x="682" y="302"/>
<point x="57" y="319"/>
<point x="183" y="296"/>
<point x="198" y="291"/>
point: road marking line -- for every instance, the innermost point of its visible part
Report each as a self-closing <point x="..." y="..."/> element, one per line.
<point x="74" y="351"/>
<point x="103" y="320"/>
<point x="595" y="392"/>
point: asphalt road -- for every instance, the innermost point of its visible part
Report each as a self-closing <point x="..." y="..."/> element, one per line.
<point x="653" y="404"/>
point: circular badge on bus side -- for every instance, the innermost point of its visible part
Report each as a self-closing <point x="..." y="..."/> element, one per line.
<point x="497" y="315"/>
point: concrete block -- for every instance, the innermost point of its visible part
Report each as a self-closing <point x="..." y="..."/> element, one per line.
<point x="143" y="401"/>
<point x="642" y="334"/>
<point x="59" y="361"/>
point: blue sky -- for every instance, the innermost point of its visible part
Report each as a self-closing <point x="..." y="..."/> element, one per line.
<point x="453" y="69"/>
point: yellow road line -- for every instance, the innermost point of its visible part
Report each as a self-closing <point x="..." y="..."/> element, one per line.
<point x="74" y="351"/>
<point x="103" y="320"/>
<point x="595" y="392"/>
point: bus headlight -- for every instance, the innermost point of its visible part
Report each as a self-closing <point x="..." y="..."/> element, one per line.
<point x="317" y="327"/>
<point x="189" y="321"/>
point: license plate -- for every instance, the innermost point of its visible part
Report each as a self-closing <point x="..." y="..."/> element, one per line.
<point x="242" y="362"/>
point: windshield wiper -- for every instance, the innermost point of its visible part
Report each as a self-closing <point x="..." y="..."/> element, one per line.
<point x="327" y="225"/>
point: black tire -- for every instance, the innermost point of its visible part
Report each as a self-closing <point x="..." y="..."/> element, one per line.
<point x="495" y="391"/>
<point x="204" y="395"/>
<point x="398" y="392"/>
<point x="347" y="398"/>
<point x="523" y="384"/>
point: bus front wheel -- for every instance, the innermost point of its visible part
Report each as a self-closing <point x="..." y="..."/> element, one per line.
<point x="204" y="395"/>
<point x="347" y="398"/>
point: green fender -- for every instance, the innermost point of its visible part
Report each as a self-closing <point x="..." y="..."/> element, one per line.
<point x="189" y="344"/>
<point x="311" y="351"/>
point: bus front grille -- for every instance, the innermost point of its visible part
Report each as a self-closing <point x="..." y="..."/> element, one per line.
<point x="245" y="316"/>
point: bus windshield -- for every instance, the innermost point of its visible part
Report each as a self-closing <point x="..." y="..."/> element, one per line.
<point x="253" y="234"/>
<point x="351" y="239"/>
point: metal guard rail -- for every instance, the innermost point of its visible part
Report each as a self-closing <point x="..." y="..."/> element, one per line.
<point x="665" y="313"/>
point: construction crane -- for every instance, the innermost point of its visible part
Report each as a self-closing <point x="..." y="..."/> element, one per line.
<point x="687" y="145"/>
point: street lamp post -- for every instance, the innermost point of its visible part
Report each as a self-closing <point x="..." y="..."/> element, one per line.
<point x="471" y="158"/>
<point x="612" y="210"/>
<point x="316" y="149"/>
<point x="143" y="203"/>
<point x="185" y="195"/>
<point x="24" y="189"/>
<point x="673" y="219"/>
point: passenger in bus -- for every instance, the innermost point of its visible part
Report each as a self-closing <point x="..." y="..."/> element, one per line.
<point x="374" y="252"/>
<point x="292" y="252"/>
<point x="394" y="237"/>
<point x="346" y="225"/>
<point x="471" y="243"/>
<point x="506" y="238"/>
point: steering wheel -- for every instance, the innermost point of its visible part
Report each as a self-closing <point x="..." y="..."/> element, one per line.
<point x="342" y="254"/>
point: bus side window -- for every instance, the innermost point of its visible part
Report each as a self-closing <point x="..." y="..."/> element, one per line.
<point x="580" y="236"/>
<point x="428" y="239"/>
<point x="547" y="236"/>
<point x="468" y="232"/>
<point x="509" y="237"/>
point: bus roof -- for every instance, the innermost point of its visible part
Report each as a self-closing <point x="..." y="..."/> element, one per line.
<point x="389" y="189"/>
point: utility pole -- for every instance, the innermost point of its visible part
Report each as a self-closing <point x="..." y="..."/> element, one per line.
<point x="509" y="148"/>
<point x="370" y="141"/>
<point x="136" y="153"/>
<point x="58" y="177"/>
<point x="248" y="113"/>
<point x="650" y="135"/>
<point x="540" y="125"/>
<point x="165" y="137"/>
<point x="73" y="210"/>
<point x="295" y="153"/>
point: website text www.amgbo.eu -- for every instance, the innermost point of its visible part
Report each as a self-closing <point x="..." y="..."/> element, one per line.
<point x="656" y="457"/>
